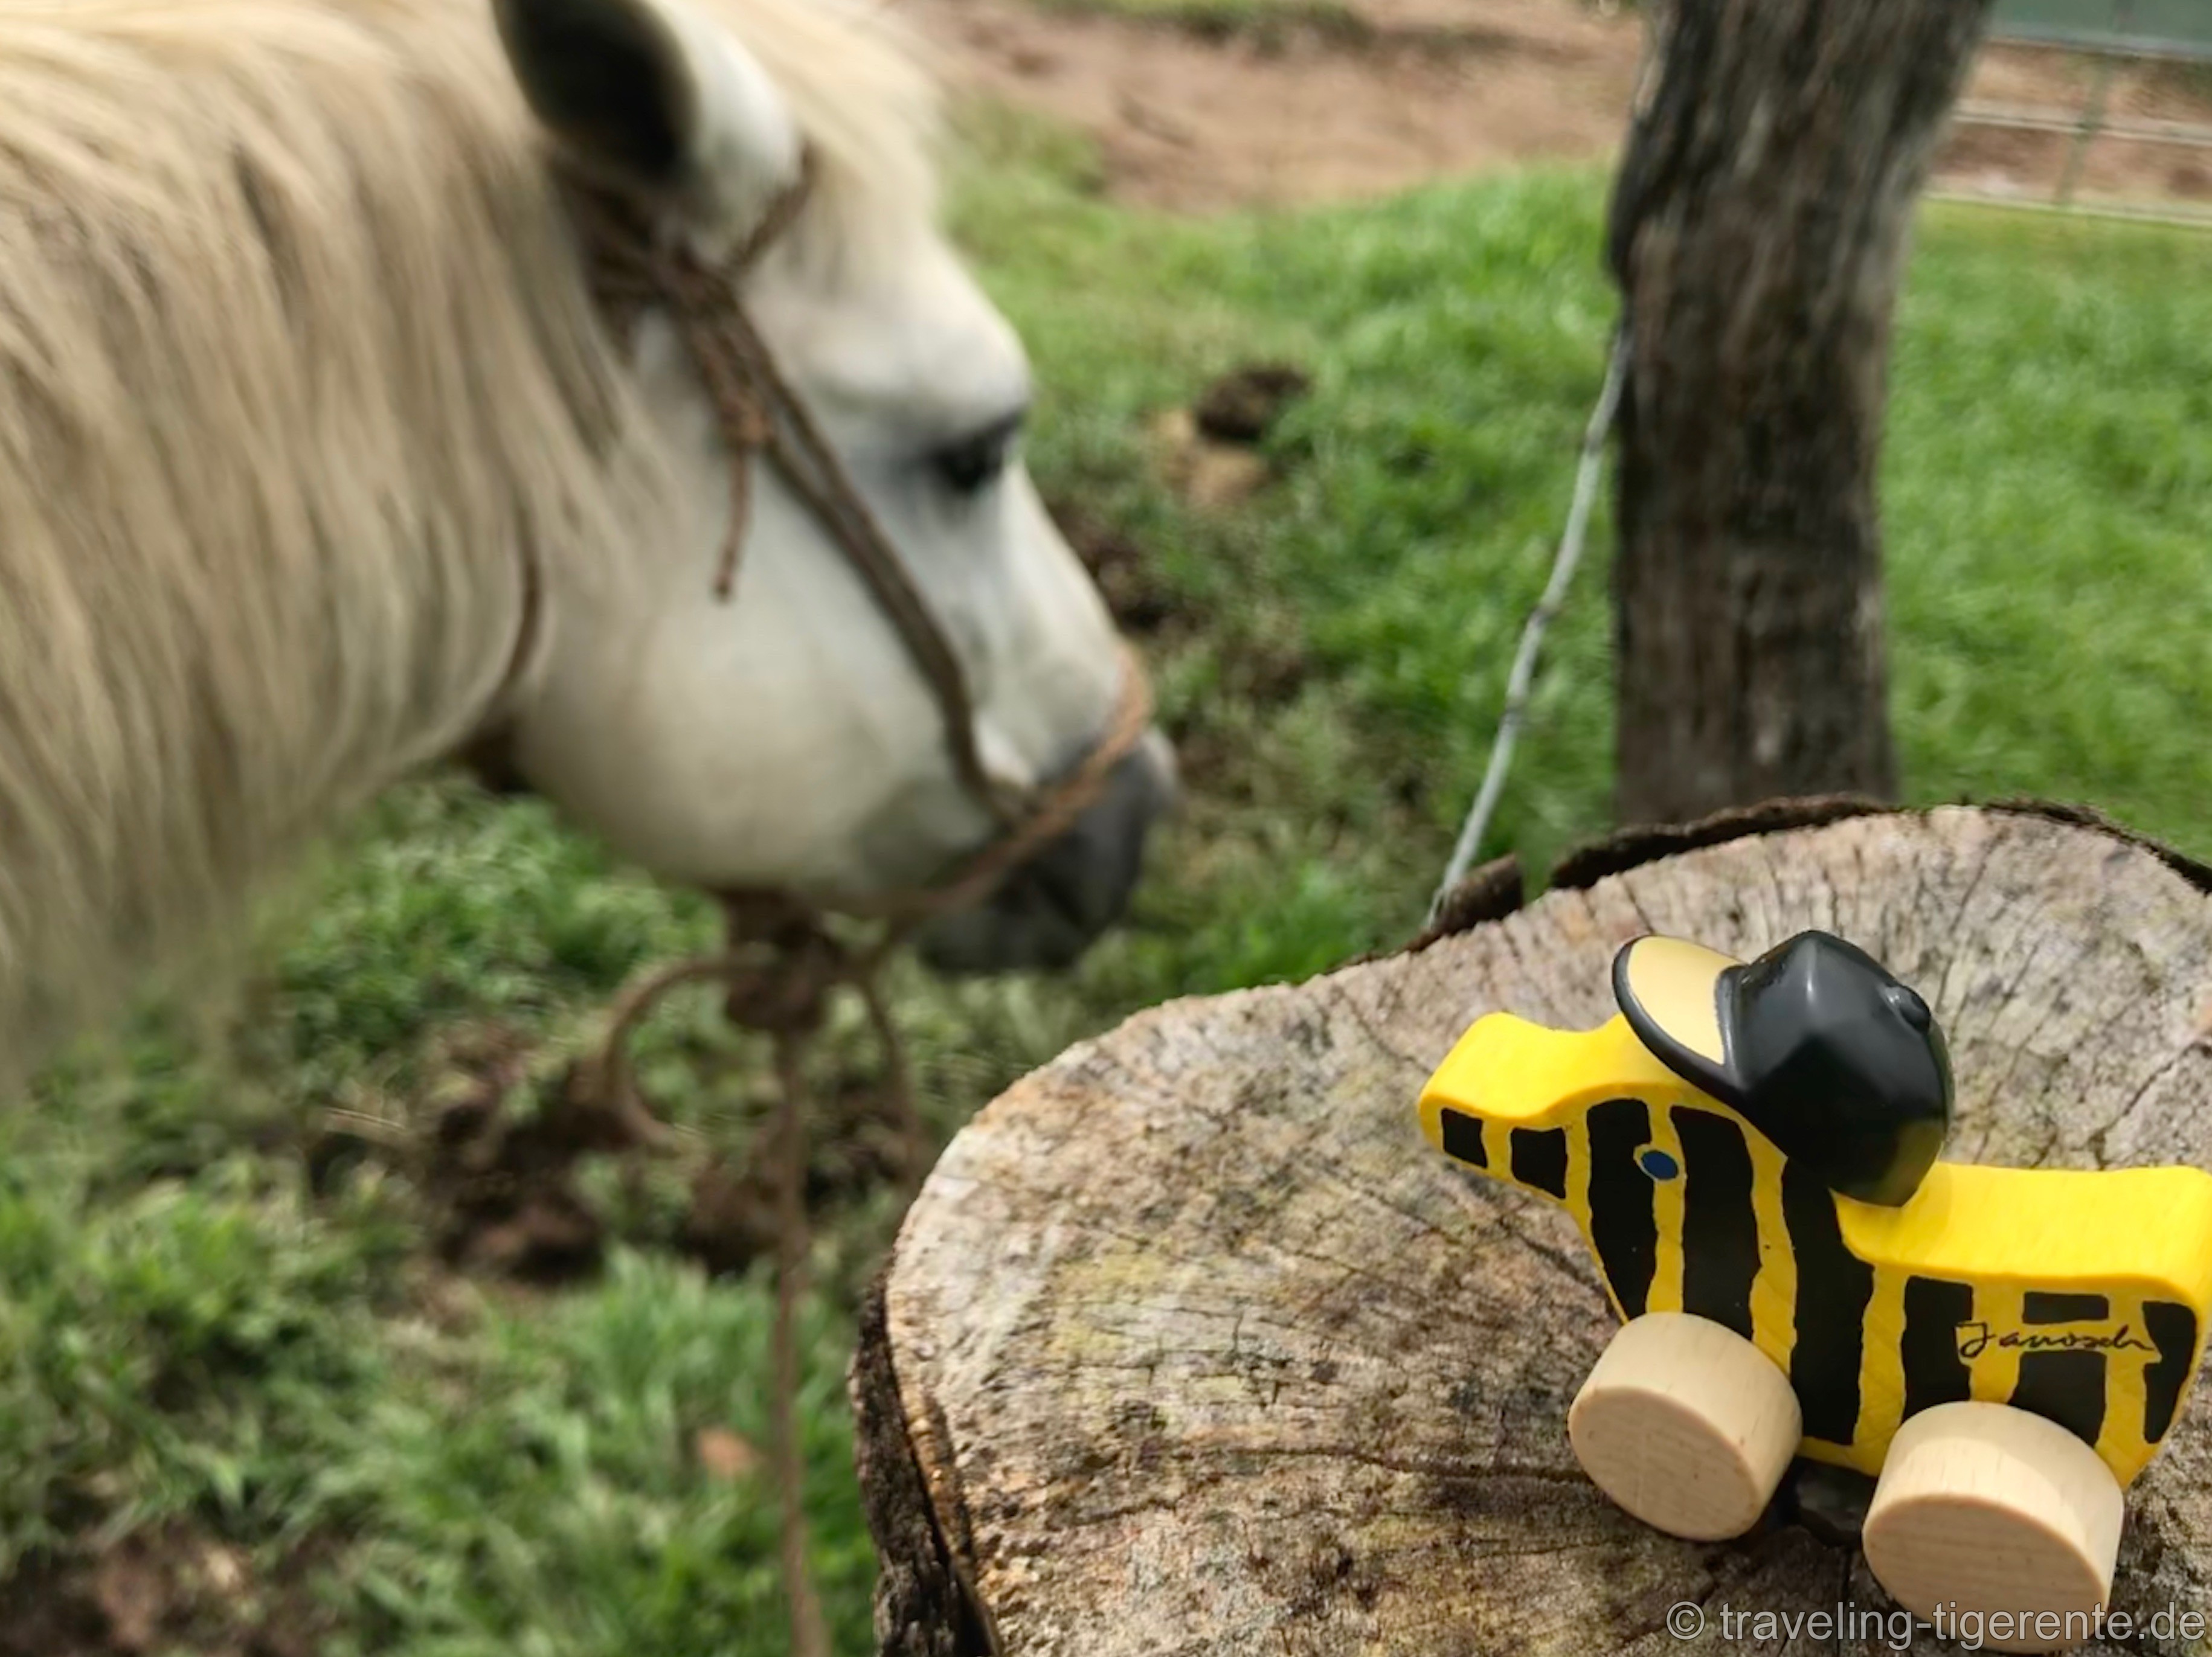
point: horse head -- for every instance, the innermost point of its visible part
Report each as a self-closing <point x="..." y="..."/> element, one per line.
<point x="784" y="734"/>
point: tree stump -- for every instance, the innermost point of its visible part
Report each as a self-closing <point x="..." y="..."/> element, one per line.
<point x="1190" y="1345"/>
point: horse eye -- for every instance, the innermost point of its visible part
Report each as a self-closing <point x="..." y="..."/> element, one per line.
<point x="973" y="464"/>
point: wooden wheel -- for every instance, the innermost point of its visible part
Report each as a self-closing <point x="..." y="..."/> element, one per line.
<point x="1685" y="1425"/>
<point x="1989" y="1512"/>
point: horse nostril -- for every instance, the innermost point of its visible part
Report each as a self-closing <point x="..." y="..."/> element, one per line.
<point x="1048" y="912"/>
<point x="1163" y="777"/>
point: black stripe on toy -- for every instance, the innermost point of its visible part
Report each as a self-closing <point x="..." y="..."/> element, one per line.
<point x="2172" y="1329"/>
<point x="1935" y="1373"/>
<point x="1720" y="1228"/>
<point x="2039" y="1306"/>
<point x="1834" y="1288"/>
<point x="2067" y="1388"/>
<point x="1463" y="1138"/>
<point x="1624" y="1227"/>
<point x="1539" y="1159"/>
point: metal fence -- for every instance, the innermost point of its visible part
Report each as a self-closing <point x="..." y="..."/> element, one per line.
<point x="2147" y="29"/>
<point x="2111" y="35"/>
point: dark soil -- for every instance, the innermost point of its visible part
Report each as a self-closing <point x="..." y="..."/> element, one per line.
<point x="1139" y="602"/>
<point x="859" y="1143"/>
<point x="504" y="1186"/>
<point x="498" y="1158"/>
<point x="172" y="1590"/>
<point x="1242" y="407"/>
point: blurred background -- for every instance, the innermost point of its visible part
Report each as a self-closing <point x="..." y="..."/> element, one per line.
<point x="295" y="1358"/>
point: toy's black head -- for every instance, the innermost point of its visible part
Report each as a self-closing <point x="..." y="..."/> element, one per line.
<point x="1838" y="1063"/>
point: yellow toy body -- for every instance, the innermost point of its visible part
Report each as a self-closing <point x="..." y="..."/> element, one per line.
<point x="2079" y="1296"/>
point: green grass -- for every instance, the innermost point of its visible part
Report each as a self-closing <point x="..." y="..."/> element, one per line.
<point x="188" y="1338"/>
<point x="211" y="1352"/>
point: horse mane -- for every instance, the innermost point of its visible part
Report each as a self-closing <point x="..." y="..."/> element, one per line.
<point x="297" y="369"/>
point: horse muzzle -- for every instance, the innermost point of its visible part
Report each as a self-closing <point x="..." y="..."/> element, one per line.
<point x="1052" y="906"/>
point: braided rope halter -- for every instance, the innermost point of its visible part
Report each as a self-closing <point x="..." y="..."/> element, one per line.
<point x="781" y="962"/>
<point x="760" y="416"/>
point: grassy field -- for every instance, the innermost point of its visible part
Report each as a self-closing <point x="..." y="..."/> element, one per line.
<point x="244" y="1411"/>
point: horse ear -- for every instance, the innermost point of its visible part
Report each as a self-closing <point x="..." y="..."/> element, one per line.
<point x="656" y="98"/>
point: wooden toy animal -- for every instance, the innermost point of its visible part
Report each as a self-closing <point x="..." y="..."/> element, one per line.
<point x="1750" y="1150"/>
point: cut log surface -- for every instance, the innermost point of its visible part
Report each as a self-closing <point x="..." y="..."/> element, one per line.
<point x="1191" y="1345"/>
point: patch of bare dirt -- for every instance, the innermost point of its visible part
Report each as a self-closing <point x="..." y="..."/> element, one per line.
<point x="507" y="1187"/>
<point x="497" y="1143"/>
<point x="1210" y="452"/>
<point x="170" y="1589"/>
<point x="1212" y="476"/>
<point x="499" y="1185"/>
<point x="858" y="1142"/>
<point x="1413" y="90"/>
<point x="1243" y="406"/>
<point x="1436" y="87"/>
<point x="1140" y="603"/>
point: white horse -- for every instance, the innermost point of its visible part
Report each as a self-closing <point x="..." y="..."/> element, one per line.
<point x="318" y="458"/>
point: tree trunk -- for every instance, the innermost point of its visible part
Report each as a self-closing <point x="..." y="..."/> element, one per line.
<point x="1758" y="227"/>
<point x="1192" y="1345"/>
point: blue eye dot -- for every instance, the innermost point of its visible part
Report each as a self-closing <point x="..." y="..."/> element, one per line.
<point x="1657" y="1163"/>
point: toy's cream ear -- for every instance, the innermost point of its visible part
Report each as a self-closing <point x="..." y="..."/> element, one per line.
<point x="1675" y="985"/>
<point x="656" y="97"/>
<point x="1670" y="990"/>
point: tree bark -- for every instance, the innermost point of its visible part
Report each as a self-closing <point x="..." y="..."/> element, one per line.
<point x="1191" y="1345"/>
<point x="1758" y="227"/>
